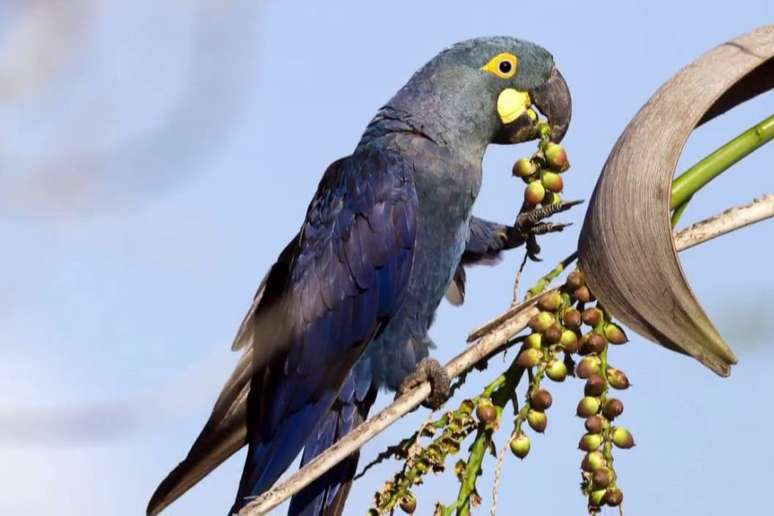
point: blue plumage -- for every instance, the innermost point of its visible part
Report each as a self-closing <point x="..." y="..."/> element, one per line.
<point x="336" y="298"/>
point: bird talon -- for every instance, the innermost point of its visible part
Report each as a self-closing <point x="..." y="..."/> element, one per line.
<point x="533" y="249"/>
<point x="549" y="227"/>
<point x="528" y="219"/>
<point x="430" y="370"/>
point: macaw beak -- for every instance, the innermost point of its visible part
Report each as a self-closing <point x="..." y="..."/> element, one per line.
<point x="519" y="123"/>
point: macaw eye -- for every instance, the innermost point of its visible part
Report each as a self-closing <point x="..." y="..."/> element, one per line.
<point x="502" y="65"/>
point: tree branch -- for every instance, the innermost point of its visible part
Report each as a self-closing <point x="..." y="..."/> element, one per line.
<point x="730" y="220"/>
<point x="490" y="338"/>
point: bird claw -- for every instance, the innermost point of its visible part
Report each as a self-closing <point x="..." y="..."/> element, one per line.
<point x="533" y="249"/>
<point x="529" y="224"/>
<point x="430" y="370"/>
<point x="549" y="227"/>
<point x="528" y="220"/>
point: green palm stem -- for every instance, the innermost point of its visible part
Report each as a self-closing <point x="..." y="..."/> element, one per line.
<point x="696" y="177"/>
<point x="501" y="390"/>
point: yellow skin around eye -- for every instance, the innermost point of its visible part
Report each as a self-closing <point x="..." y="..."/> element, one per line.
<point x="493" y="66"/>
<point x="511" y="103"/>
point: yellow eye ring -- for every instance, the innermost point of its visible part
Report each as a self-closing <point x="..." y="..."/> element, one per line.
<point x="502" y="65"/>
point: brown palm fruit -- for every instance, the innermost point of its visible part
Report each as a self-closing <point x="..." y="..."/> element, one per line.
<point x="612" y="409"/>
<point x="541" y="400"/>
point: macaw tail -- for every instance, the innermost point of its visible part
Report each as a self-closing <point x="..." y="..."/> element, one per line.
<point x="326" y="495"/>
<point x="266" y="461"/>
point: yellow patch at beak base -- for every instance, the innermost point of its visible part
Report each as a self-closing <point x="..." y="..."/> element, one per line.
<point x="511" y="104"/>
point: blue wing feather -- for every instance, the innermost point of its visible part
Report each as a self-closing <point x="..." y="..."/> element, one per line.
<point x="327" y="494"/>
<point x="347" y="278"/>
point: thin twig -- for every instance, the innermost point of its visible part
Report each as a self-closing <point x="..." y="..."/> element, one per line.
<point x="496" y="337"/>
<point x="517" y="281"/>
<point x="498" y="475"/>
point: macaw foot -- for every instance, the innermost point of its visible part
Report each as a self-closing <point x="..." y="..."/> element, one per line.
<point x="429" y="369"/>
<point x="529" y="224"/>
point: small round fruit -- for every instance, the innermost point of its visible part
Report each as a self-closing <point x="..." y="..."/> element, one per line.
<point x="541" y="400"/>
<point x="486" y="412"/>
<point x="534" y="193"/>
<point x="588" y="366"/>
<point x="590" y="442"/>
<point x="542" y="321"/>
<point x="588" y="406"/>
<point x="524" y="168"/>
<point x="613" y="408"/>
<point x="571" y="319"/>
<point x="520" y="445"/>
<point x="552" y="182"/>
<point x="593" y="461"/>
<point x="529" y="358"/>
<point x="575" y="280"/>
<point x="533" y="341"/>
<point x="556" y="370"/>
<point x="623" y="438"/>
<point x="408" y="504"/>
<point x="550" y="302"/>
<point x="538" y="421"/>
<point x="556" y="156"/>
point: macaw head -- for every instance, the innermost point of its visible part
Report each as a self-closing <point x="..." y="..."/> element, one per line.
<point x="486" y="90"/>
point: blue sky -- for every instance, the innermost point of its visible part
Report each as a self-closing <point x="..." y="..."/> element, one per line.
<point x="153" y="168"/>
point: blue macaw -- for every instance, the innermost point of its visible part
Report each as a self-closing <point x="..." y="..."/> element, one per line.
<point x="345" y="310"/>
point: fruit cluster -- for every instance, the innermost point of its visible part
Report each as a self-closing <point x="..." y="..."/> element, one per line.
<point x="542" y="173"/>
<point x="598" y="408"/>
<point x="540" y="355"/>
<point x="572" y="324"/>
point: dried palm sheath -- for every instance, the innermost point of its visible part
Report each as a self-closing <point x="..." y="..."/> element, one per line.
<point x="626" y="247"/>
